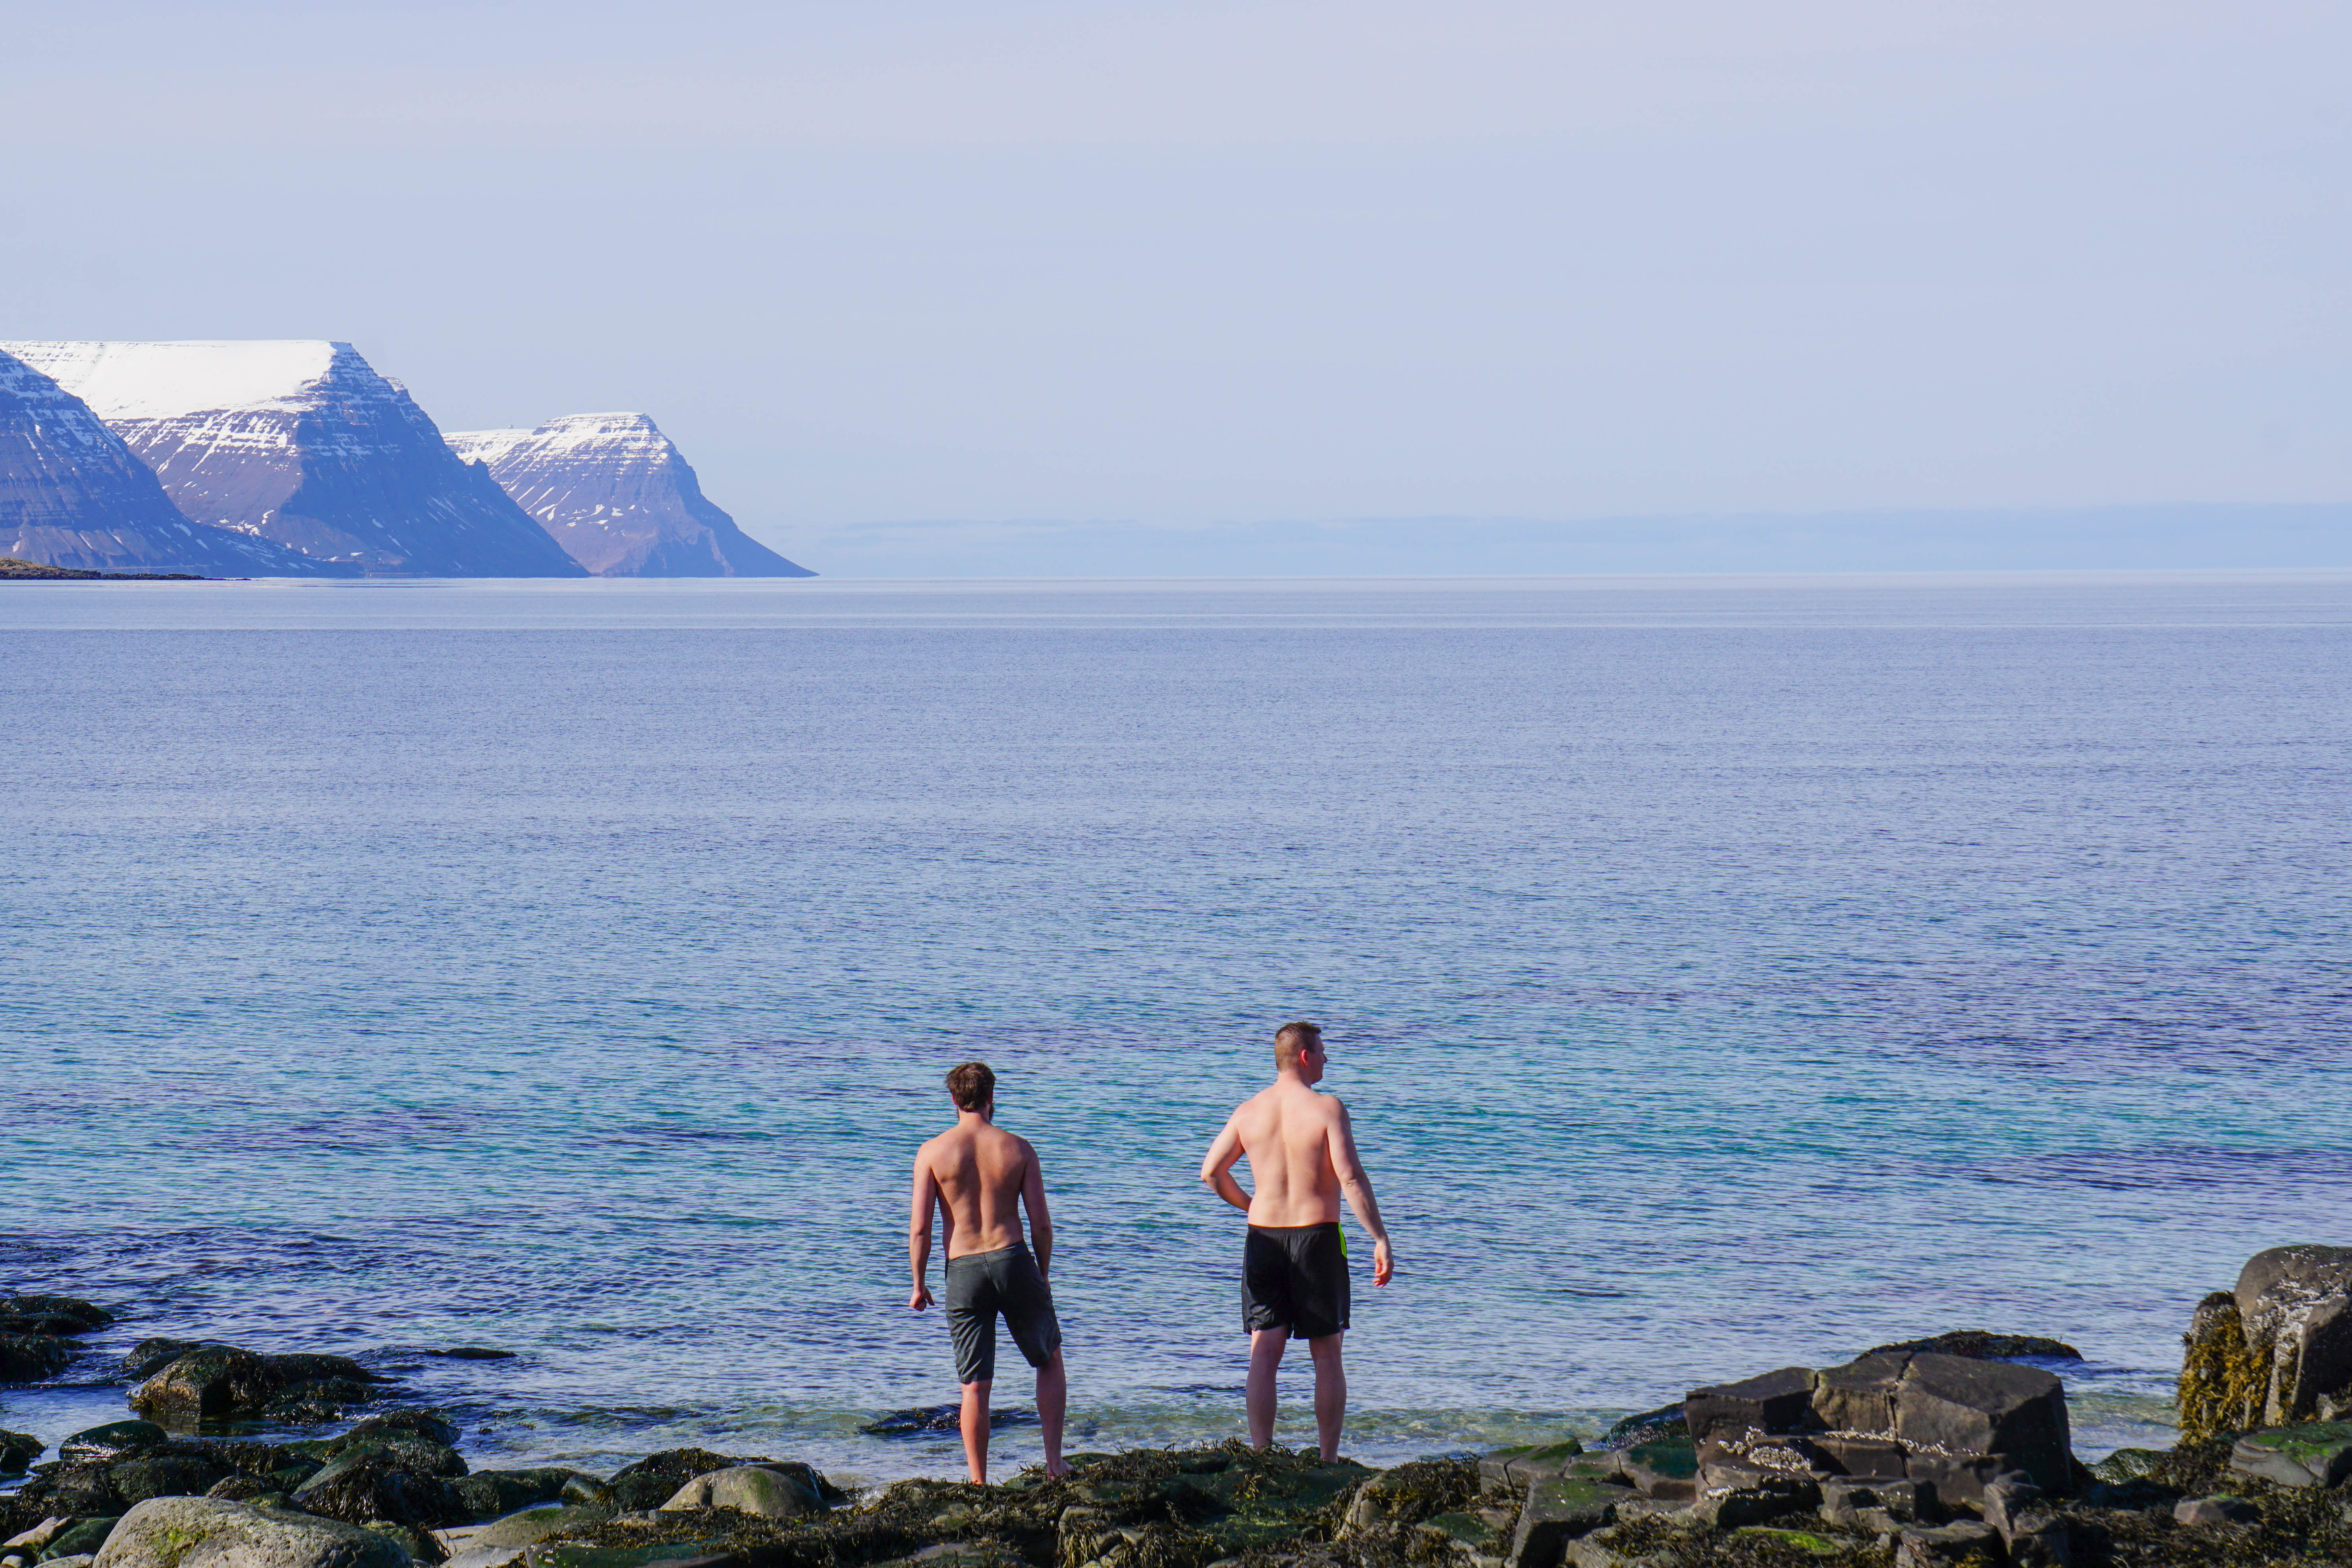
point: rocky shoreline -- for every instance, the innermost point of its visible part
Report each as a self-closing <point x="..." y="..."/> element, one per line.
<point x="12" y="570"/>
<point x="1938" y="1451"/>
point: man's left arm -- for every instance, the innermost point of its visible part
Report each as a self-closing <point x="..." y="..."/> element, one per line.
<point x="1041" y="1224"/>
<point x="1356" y="1187"/>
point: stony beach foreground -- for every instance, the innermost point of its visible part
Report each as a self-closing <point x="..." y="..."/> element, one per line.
<point x="1953" y="1451"/>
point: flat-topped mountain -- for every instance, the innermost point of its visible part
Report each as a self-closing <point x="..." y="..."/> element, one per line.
<point x="73" y="495"/>
<point x="303" y="443"/>
<point x="613" y="491"/>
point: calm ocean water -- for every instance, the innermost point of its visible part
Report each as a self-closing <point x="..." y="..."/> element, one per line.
<point x="1722" y="974"/>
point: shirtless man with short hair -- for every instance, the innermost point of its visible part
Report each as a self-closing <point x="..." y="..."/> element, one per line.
<point x="979" y="1175"/>
<point x="1302" y="1159"/>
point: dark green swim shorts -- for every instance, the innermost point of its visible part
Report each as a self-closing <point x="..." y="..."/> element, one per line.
<point x="979" y="1286"/>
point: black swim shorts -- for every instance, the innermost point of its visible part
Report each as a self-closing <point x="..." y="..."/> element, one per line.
<point x="1295" y="1276"/>
<point x="981" y="1285"/>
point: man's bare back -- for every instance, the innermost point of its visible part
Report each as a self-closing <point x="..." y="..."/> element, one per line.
<point x="983" y="1174"/>
<point x="1294" y="1140"/>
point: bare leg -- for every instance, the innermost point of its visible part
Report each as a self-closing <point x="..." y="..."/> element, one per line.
<point x="1052" y="1400"/>
<point x="1330" y="1392"/>
<point x="1266" y="1356"/>
<point x="974" y="1421"/>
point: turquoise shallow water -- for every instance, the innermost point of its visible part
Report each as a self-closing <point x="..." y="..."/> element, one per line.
<point x="1722" y="974"/>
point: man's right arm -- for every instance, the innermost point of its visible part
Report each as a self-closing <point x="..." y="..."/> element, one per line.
<point x="919" y="1229"/>
<point x="1217" y="1170"/>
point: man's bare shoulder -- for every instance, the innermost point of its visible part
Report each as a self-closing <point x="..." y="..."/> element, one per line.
<point x="936" y="1144"/>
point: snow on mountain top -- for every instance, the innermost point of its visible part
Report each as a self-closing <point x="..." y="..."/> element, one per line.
<point x="160" y="381"/>
<point x="559" y="437"/>
<point x="484" y="446"/>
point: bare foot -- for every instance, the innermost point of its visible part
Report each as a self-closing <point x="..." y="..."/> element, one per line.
<point x="1057" y="1468"/>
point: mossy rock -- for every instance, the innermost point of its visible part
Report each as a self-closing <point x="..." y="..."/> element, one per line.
<point x="83" y="1536"/>
<point x="1803" y="1540"/>
<point x="1468" y="1530"/>
<point x="2130" y="1465"/>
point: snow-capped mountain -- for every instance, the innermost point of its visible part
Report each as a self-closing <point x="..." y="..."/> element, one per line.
<point x="612" y="491"/>
<point x="303" y="443"/>
<point x="71" y="494"/>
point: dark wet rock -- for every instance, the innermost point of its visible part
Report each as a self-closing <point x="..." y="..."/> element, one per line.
<point x="115" y="1441"/>
<point x="930" y="1420"/>
<point x="1779" y="1401"/>
<point x="257" y="1490"/>
<point x="165" y="1475"/>
<point x="47" y="1324"/>
<point x="84" y="1489"/>
<point x="148" y="1357"/>
<point x="1977" y="1344"/>
<point x="490" y="1494"/>
<point x="1667" y="1421"/>
<point x="1962" y="1544"/>
<point x="215" y="1382"/>
<point x="1845" y="1456"/>
<point x="1874" y="1506"/>
<point x="1957" y="1480"/>
<point x="306" y="1367"/>
<point x="401" y="1450"/>
<point x="655" y="1480"/>
<point x="215" y="1532"/>
<point x="86" y="1316"/>
<point x="18" y="1449"/>
<point x="1988" y="1408"/>
<point x="217" y="1379"/>
<point x="420" y="1544"/>
<point x="84" y="1535"/>
<point x="29" y="1358"/>
<point x="1860" y="1395"/>
<point x="78" y="1560"/>
<point x="430" y="1425"/>
<point x="358" y="1488"/>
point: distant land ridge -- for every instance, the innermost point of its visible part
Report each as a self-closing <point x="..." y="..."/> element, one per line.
<point x="615" y="492"/>
<point x="72" y="495"/>
<point x="303" y="443"/>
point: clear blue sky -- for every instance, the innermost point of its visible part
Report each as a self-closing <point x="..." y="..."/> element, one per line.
<point x="1280" y="259"/>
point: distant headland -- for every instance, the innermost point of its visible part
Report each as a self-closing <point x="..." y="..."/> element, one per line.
<point x="297" y="458"/>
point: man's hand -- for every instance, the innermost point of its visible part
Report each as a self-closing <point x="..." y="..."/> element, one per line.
<point x="921" y="1298"/>
<point x="1383" y="1262"/>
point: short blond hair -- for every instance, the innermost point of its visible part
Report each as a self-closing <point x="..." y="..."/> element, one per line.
<point x="1293" y="1041"/>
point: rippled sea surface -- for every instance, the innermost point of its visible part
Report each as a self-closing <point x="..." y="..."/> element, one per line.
<point x="1722" y="974"/>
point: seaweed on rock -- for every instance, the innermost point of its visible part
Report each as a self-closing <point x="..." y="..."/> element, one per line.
<point x="1165" y="1508"/>
<point x="1675" y="1544"/>
<point x="2222" y="1379"/>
